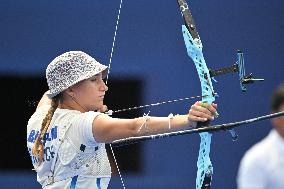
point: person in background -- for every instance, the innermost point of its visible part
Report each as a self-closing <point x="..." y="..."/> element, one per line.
<point x="66" y="135"/>
<point x="262" y="167"/>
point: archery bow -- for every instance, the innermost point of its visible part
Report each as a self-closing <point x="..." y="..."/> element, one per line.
<point x="194" y="50"/>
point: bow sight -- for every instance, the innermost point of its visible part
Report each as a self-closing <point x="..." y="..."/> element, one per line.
<point x="239" y="67"/>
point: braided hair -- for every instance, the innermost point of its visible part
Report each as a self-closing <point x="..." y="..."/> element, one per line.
<point x="38" y="148"/>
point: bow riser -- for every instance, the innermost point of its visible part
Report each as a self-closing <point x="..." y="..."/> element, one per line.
<point x="194" y="51"/>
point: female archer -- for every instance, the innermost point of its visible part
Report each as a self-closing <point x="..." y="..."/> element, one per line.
<point x="66" y="135"/>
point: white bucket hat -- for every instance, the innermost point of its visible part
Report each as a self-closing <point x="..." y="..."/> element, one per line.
<point x="70" y="68"/>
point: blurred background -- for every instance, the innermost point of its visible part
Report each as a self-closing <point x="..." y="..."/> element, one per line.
<point x="149" y="65"/>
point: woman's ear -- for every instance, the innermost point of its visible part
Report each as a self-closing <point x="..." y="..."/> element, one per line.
<point x="70" y="92"/>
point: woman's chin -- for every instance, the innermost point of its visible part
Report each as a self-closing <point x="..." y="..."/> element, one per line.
<point x="97" y="107"/>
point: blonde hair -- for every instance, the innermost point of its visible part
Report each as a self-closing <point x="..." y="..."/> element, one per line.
<point x="38" y="147"/>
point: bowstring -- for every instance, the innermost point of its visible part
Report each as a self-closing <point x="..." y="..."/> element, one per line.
<point x="114" y="40"/>
<point x="107" y="77"/>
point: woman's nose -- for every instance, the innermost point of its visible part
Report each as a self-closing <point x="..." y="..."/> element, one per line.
<point x="104" y="87"/>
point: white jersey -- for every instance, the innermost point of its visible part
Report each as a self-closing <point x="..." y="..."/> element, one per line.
<point x="262" y="167"/>
<point x="72" y="157"/>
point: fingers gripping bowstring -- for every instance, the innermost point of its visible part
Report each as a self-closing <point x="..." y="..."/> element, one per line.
<point x="109" y="65"/>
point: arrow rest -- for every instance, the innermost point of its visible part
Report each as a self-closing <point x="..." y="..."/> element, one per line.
<point x="249" y="79"/>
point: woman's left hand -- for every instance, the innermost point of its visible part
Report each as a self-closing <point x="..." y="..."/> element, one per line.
<point x="201" y="112"/>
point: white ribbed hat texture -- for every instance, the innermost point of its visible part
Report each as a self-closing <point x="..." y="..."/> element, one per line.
<point x="70" y="68"/>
